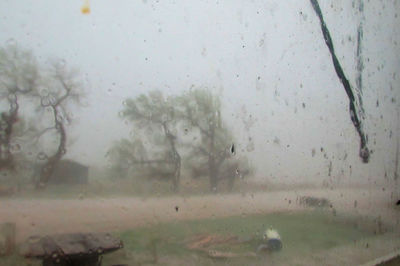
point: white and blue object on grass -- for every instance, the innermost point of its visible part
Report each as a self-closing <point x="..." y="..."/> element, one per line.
<point x="271" y="241"/>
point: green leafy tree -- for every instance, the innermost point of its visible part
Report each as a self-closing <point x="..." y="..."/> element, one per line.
<point x="155" y="116"/>
<point x="155" y="152"/>
<point x="213" y="154"/>
<point x="125" y="155"/>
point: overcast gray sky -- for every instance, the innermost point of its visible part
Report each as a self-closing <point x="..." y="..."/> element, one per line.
<point x="265" y="58"/>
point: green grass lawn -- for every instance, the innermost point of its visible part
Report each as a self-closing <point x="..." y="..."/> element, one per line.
<point x="302" y="233"/>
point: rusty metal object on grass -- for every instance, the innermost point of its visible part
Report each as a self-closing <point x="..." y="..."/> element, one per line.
<point x="71" y="249"/>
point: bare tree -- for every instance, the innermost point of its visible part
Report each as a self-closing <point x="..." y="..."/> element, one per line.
<point x="59" y="90"/>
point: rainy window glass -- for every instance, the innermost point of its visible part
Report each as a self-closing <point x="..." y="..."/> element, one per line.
<point x="208" y="132"/>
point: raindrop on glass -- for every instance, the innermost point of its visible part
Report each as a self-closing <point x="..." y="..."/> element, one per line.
<point x="42" y="156"/>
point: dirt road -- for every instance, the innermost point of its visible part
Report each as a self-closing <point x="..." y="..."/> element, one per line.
<point x="47" y="216"/>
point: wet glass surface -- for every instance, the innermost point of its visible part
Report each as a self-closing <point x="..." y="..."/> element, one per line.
<point x="201" y="133"/>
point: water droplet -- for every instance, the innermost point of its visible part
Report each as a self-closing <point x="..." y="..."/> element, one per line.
<point x="12" y="97"/>
<point x="60" y="118"/>
<point x="62" y="63"/>
<point x="46" y="169"/>
<point x="233" y="151"/>
<point x="34" y="239"/>
<point x="44" y="92"/>
<point x="15" y="147"/>
<point x="13" y="106"/>
<point x="42" y="156"/>
<point x="11" y="42"/>
<point x="45" y="101"/>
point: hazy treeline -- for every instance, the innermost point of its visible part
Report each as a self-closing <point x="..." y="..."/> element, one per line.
<point x="170" y="133"/>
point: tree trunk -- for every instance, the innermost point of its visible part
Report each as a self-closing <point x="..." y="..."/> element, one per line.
<point x="213" y="182"/>
<point x="212" y="164"/>
<point x="48" y="168"/>
<point x="231" y="182"/>
<point x="177" y="173"/>
<point x="6" y="128"/>
<point x="176" y="158"/>
<point x="213" y="174"/>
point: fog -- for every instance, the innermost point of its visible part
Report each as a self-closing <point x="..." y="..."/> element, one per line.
<point x="209" y="132"/>
<point x="267" y="60"/>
